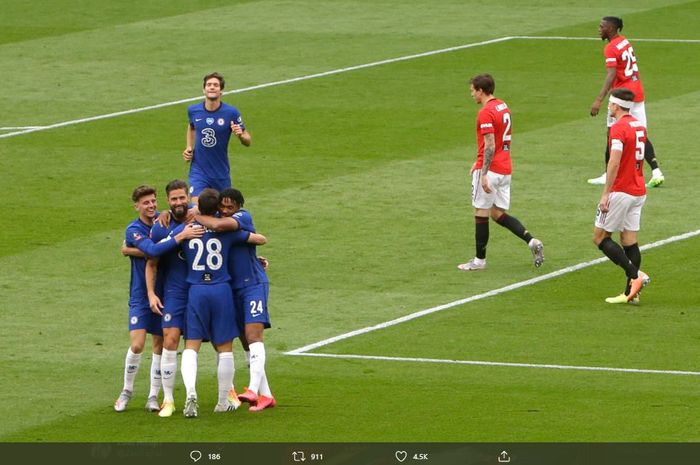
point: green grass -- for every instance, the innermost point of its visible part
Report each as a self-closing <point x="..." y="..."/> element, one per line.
<point x="360" y="182"/>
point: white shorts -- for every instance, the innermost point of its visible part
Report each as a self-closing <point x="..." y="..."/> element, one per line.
<point x="624" y="213"/>
<point x="637" y="111"/>
<point x="500" y="191"/>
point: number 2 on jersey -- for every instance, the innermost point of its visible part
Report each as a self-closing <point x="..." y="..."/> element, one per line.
<point x="506" y="131"/>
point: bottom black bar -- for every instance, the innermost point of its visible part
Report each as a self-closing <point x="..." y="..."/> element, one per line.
<point x="353" y="453"/>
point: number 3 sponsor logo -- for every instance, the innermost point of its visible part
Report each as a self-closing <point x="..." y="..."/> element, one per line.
<point x="208" y="137"/>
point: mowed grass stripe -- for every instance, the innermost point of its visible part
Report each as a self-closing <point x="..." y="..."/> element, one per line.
<point x="31" y="129"/>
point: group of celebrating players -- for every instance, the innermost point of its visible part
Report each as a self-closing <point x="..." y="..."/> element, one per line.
<point x="195" y="272"/>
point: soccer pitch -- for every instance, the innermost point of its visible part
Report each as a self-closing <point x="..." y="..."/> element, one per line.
<point x="363" y="134"/>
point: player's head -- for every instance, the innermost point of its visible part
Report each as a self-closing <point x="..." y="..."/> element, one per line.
<point x="178" y="200"/>
<point x="230" y="201"/>
<point x="621" y="98"/>
<point x="609" y="27"/>
<point x="144" y="198"/>
<point x="481" y="86"/>
<point x="208" y="202"/>
<point x="213" y="85"/>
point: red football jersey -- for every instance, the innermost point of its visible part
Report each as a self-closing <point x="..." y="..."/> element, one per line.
<point x="494" y="118"/>
<point x="620" y="55"/>
<point x="629" y="134"/>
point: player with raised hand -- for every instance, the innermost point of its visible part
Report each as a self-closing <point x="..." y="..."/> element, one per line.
<point x="209" y="130"/>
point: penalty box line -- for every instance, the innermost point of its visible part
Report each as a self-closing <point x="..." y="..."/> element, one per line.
<point x="505" y="364"/>
<point x="529" y="282"/>
<point x="31" y="129"/>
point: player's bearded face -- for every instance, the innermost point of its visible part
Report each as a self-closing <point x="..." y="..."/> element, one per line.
<point x="179" y="211"/>
<point x="178" y="203"/>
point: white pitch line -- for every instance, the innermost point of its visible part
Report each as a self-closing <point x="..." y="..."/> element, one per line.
<point x="506" y="364"/>
<point x="31" y="129"/>
<point x="511" y="287"/>
<point x="13" y="128"/>
<point x="258" y="86"/>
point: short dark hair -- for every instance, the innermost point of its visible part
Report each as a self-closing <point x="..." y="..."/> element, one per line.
<point x="483" y="82"/>
<point x="142" y="191"/>
<point x="233" y="194"/>
<point x="208" y="201"/>
<point x="216" y="75"/>
<point x="615" y="21"/>
<point x="623" y="94"/>
<point x="174" y="185"/>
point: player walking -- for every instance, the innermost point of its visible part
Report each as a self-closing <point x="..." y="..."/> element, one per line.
<point x="623" y="72"/>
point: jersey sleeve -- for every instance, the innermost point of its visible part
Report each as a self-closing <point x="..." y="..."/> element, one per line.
<point x="240" y="236"/>
<point x="610" y="57"/>
<point x="617" y="137"/>
<point x="238" y="119"/>
<point x="136" y="238"/>
<point x="245" y="221"/>
<point x="190" y="118"/>
<point x="132" y="235"/>
<point x="158" y="232"/>
<point x="485" y="123"/>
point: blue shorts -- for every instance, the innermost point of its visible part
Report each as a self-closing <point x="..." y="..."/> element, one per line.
<point x="174" y="309"/>
<point x="210" y="313"/>
<point x="251" y="305"/>
<point x="141" y="317"/>
<point x="199" y="182"/>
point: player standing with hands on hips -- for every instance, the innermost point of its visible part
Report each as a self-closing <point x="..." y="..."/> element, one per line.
<point x="623" y="72"/>
<point x="209" y="130"/>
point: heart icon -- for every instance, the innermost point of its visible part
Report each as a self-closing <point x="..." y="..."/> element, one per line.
<point x="401" y="455"/>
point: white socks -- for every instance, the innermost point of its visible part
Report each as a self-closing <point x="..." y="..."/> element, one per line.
<point x="224" y="372"/>
<point x="258" y="378"/>
<point x="155" y="376"/>
<point x="189" y="371"/>
<point x="131" y="367"/>
<point x="168" y="369"/>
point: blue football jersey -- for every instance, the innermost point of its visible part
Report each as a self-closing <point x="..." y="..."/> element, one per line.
<point x="172" y="265"/>
<point x="243" y="264"/>
<point x="207" y="256"/>
<point x="212" y="132"/>
<point x="136" y="232"/>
